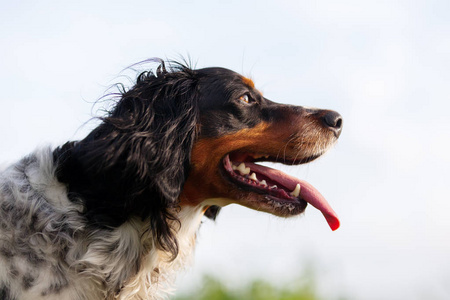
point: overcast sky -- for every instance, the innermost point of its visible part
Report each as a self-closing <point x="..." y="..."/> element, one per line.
<point x="384" y="65"/>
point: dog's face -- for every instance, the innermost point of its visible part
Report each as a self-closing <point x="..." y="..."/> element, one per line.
<point x="238" y="128"/>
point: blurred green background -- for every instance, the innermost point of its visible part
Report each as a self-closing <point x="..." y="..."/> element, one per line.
<point x="302" y="288"/>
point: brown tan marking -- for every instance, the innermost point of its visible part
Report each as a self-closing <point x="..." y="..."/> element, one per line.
<point x="248" y="82"/>
<point x="204" y="180"/>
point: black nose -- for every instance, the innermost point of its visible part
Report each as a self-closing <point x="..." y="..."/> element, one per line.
<point x="333" y="121"/>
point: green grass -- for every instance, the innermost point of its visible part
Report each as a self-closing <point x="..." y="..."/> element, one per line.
<point x="213" y="289"/>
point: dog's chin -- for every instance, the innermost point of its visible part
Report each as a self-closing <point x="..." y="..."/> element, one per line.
<point x="274" y="205"/>
<point x="265" y="189"/>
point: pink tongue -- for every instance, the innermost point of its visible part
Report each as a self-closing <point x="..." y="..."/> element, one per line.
<point x="307" y="192"/>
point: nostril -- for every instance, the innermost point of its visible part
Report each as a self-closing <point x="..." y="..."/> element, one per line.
<point x="333" y="120"/>
<point x="339" y="122"/>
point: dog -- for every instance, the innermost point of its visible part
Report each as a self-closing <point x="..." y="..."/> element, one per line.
<point x="115" y="215"/>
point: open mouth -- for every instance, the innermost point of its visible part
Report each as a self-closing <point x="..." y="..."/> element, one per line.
<point x="281" y="191"/>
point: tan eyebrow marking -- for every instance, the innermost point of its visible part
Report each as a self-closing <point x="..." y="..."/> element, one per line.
<point x="248" y="82"/>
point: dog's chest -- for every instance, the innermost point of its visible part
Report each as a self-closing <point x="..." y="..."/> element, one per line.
<point x="48" y="251"/>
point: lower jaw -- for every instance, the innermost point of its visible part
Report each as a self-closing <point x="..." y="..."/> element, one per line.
<point x="273" y="205"/>
<point x="276" y="202"/>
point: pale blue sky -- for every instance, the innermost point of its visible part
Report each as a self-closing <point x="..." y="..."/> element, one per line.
<point x="384" y="65"/>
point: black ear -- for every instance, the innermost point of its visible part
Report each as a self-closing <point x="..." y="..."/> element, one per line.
<point x="163" y="111"/>
<point x="136" y="162"/>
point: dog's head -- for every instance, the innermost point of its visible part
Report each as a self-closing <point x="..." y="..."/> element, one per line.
<point x="193" y="137"/>
<point x="239" y="127"/>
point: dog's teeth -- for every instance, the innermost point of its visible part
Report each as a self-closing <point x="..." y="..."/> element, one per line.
<point x="273" y="186"/>
<point x="263" y="183"/>
<point x="296" y="191"/>
<point x="243" y="170"/>
<point x="253" y="177"/>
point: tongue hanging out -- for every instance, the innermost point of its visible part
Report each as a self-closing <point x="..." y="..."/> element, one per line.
<point x="284" y="186"/>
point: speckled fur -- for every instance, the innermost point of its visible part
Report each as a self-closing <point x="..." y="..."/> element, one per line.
<point x="48" y="251"/>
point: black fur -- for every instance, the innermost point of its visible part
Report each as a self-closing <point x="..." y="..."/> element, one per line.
<point x="5" y="293"/>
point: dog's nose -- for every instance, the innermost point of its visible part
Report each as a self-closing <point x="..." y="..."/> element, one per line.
<point x="333" y="121"/>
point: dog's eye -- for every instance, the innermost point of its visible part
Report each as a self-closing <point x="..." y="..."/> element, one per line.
<point x="247" y="99"/>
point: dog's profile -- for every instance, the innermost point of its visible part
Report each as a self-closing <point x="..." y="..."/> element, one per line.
<point x="115" y="215"/>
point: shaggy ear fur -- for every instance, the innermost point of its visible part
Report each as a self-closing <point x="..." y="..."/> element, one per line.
<point x="136" y="162"/>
